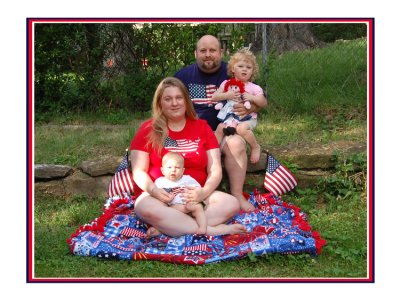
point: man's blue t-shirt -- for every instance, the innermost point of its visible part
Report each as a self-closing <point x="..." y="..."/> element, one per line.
<point x="201" y="86"/>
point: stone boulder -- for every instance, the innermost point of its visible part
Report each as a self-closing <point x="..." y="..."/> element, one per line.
<point x="100" y="167"/>
<point x="82" y="184"/>
<point x="51" y="171"/>
<point x="53" y="187"/>
<point x="316" y="156"/>
<point x="312" y="162"/>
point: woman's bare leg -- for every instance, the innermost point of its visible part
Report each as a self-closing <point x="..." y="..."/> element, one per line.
<point x="220" y="208"/>
<point x="166" y="220"/>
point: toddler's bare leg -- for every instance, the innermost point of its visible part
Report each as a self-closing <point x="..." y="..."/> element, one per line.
<point x="244" y="130"/>
<point x="219" y="132"/>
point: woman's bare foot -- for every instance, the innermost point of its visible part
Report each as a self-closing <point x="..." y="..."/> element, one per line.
<point x="201" y="230"/>
<point x="152" y="232"/>
<point x="245" y="205"/>
<point x="237" y="229"/>
<point x="226" y="229"/>
<point x="255" y="154"/>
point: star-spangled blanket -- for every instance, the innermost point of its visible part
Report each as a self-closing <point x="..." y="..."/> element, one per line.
<point x="274" y="227"/>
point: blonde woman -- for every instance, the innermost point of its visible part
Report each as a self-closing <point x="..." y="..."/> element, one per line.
<point x="175" y="127"/>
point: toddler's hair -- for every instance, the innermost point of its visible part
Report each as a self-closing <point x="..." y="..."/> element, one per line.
<point x="244" y="54"/>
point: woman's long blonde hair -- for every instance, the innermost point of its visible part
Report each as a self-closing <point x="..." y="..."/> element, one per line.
<point x="159" y="131"/>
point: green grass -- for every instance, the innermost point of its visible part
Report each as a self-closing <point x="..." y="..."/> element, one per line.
<point x="72" y="144"/>
<point x="336" y="208"/>
<point x="343" y="256"/>
<point x="307" y="81"/>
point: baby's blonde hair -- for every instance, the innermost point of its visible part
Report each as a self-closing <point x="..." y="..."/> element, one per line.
<point x="173" y="156"/>
<point x="247" y="55"/>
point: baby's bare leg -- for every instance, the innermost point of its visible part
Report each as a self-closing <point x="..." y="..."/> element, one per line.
<point x="198" y="213"/>
<point x="181" y="208"/>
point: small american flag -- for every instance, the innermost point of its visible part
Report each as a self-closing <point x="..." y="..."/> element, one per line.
<point x="181" y="146"/>
<point x="201" y="94"/>
<point x="122" y="182"/>
<point x="197" y="250"/>
<point x="278" y="179"/>
<point x="175" y="190"/>
<point x="132" y="232"/>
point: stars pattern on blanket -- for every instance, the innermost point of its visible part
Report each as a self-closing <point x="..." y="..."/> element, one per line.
<point x="275" y="227"/>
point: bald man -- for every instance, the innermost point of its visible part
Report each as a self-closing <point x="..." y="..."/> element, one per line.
<point x="202" y="79"/>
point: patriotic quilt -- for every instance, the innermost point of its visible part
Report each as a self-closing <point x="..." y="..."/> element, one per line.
<point x="274" y="227"/>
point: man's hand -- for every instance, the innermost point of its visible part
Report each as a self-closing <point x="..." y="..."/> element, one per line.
<point x="240" y="110"/>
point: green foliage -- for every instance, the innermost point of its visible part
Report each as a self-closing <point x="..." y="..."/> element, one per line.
<point x="87" y="67"/>
<point x="92" y="67"/>
<point x="330" y="32"/>
<point x="348" y="182"/>
<point x="68" y="65"/>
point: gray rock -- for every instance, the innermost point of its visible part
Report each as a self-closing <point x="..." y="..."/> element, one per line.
<point x="53" y="187"/>
<point x="51" y="171"/>
<point x="100" y="167"/>
<point x="259" y="166"/>
<point x="317" y="156"/>
<point x="313" y="162"/>
<point x="82" y="184"/>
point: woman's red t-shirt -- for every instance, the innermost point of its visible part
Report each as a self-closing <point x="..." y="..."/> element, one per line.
<point x="192" y="142"/>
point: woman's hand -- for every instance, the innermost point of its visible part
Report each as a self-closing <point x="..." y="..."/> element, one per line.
<point x="193" y="194"/>
<point x="162" y="195"/>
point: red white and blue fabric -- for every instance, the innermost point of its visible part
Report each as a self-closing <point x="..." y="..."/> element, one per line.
<point x="201" y="94"/>
<point x="274" y="227"/>
<point x="122" y="182"/>
<point x="175" y="190"/>
<point x="181" y="146"/>
<point x="278" y="179"/>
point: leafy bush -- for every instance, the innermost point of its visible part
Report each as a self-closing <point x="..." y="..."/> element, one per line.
<point x="330" y="32"/>
<point x="348" y="182"/>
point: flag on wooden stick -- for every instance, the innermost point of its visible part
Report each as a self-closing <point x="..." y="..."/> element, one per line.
<point x="122" y="182"/>
<point x="278" y="179"/>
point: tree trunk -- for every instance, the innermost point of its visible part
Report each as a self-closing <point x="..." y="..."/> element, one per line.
<point x="282" y="37"/>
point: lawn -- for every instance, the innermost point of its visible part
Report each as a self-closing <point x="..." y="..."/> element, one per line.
<point x="337" y="208"/>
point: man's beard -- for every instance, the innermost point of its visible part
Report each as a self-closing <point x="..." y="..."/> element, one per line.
<point x="209" y="66"/>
